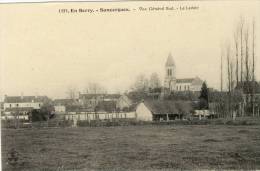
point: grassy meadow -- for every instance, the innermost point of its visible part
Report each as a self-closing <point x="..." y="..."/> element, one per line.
<point x="141" y="147"/>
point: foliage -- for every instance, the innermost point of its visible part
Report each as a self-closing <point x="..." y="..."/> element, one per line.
<point x="203" y="104"/>
<point x="95" y="88"/>
<point x="42" y="114"/>
<point x="155" y="81"/>
<point x="38" y="115"/>
<point x="141" y="84"/>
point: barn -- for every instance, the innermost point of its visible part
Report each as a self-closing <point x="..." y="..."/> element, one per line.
<point x="163" y="110"/>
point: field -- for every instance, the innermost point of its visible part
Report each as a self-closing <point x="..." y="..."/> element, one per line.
<point x="147" y="147"/>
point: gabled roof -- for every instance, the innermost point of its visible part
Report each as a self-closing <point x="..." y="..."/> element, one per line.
<point x="170" y="61"/>
<point x="169" y="107"/>
<point x="25" y="99"/>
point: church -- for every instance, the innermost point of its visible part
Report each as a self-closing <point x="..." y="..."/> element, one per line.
<point x="181" y="84"/>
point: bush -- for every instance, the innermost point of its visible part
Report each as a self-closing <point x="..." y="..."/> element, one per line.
<point x="38" y="115"/>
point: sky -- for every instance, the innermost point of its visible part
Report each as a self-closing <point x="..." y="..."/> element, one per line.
<point x="44" y="52"/>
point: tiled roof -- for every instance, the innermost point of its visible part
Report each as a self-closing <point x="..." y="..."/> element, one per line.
<point x="25" y="99"/>
<point x="169" y="107"/>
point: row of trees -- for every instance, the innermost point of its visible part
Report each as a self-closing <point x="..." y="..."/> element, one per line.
<point x="91" y="88"/>
<point x="240" y="65"/>
<point x="143" y="84"/>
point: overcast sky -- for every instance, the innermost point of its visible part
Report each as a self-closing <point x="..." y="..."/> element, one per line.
<point x="44" y="52"/>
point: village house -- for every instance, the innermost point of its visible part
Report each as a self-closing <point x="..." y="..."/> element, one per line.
<point x="162" y="110"/>
<point x="21" y="105"/>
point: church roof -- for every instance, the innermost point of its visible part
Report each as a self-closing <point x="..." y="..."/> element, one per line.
<point x="185" y="80"/>
<point x="195" y="80"/>
<point x="170" y="61"/>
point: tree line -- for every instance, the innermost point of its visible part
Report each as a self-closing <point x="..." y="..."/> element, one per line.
<point x="239" y="55"/>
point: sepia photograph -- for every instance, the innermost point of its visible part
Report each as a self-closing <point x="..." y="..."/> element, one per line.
<point x="130" y="85"/>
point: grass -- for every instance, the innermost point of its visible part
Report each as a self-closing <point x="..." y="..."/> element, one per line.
<point x="147" y="147"/>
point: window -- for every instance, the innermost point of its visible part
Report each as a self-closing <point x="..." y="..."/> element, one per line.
<point x="169" y="72"/>
<point x="10" y="105"/>
<point x="17" y="105"/>
<point x="180" y="87"/>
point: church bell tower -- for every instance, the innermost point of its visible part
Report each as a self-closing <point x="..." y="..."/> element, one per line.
<point x="170" y="70"/>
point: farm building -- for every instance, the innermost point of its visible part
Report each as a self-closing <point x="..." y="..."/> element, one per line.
<point x="162" y="110"/>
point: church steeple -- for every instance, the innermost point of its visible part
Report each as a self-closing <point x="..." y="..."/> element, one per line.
<point x="170" y="61"/>
<point x="170" y="68"/>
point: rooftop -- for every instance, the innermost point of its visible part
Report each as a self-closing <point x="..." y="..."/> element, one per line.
<point x="169" y="107"/>
<point x="25" y="99"/>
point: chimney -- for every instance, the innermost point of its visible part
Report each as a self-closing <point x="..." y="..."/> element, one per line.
<point x="22" y="95"/>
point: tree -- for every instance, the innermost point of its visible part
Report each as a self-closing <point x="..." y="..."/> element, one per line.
<point x="141" y="84"/>
<point x="94" y="88"/>
<point x="230" y="68"/>
<point x="42" y="114"/>
<point x="155" y="81"/>
<point x="236" y="51"/>
<point x="241" y="24"/>
<point x="204" y="97"/>
<point x="253" y="67"/>
<point x="247" y="71"/>
<point x="221" y="69"/>
<point x="72" y="92"/>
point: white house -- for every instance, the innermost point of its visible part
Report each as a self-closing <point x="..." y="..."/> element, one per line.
<point x="23" y="104"/>
<point x="143" y="113"/>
